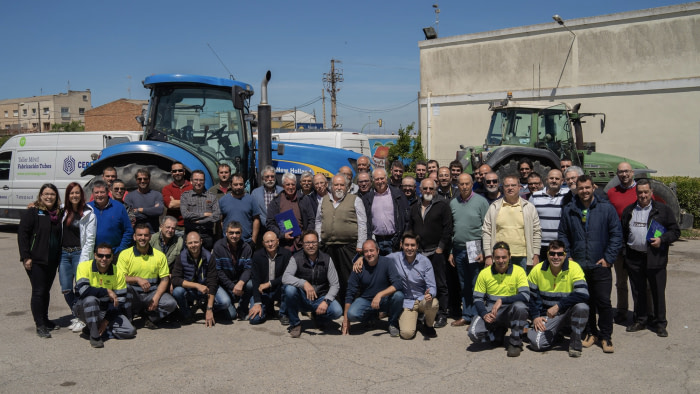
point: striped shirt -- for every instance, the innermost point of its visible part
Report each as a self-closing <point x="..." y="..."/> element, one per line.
<point x="549" y="211"/>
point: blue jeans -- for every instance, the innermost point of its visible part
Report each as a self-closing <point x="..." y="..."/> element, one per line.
<point x="185" y="297"/>
<point x="268" y="303"/>
<point x="386" y="247"/>
<point x="361" y="309"/>
<point x="297" y="301"/>
<point x="467" y="279"/>
<point x="521" y="261"/>
<point x="243" y="301"/>
<point x="66" y="275"/>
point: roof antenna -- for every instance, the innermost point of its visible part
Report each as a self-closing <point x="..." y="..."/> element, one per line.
<point x="230" y="74"/>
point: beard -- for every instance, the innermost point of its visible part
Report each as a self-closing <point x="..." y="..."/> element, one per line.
<point x="338" y="194"/>
<point x="427" y="197"/>
<point x="492" y="189"/>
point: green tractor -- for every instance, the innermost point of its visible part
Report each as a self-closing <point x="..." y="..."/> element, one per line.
<point x="548" y="132"/>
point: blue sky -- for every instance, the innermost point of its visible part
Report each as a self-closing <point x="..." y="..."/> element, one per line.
<point x="109" y="47"/>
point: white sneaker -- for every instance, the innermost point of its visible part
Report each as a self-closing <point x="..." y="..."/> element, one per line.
<point x="72" y="323"/>
<point x="79" y="325"/>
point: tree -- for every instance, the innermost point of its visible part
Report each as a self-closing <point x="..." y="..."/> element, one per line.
<point x="407" y="149"/>
<point x="72" y="126"/>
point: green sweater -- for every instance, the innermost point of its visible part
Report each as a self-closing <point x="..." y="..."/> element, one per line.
<point x="467" y="218"/>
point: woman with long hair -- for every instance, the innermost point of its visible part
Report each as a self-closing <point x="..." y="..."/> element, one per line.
<point x="39" y="240"/>
<point x="77" y="244"/>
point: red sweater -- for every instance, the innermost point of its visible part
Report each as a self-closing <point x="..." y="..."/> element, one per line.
<point x="620" y="197"/>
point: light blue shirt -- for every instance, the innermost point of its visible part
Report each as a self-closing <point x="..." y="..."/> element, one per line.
<point x="416" y="278"/>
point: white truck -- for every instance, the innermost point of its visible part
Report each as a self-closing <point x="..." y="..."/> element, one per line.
<point x="27" y="161"/>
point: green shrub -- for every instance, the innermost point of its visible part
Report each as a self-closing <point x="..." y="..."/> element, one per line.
<point x="688" y="192"/>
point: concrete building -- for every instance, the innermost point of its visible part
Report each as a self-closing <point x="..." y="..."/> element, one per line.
<point x="116" y="115"/>
<point x="39" y="113"/>
<point x="641" y="68"/>
<point x="290" y="119"/>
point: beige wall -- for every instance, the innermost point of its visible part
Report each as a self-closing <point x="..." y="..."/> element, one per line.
<point x="641" y="68"/>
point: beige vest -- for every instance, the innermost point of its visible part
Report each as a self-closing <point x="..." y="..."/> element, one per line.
<point x="339" y="225"/>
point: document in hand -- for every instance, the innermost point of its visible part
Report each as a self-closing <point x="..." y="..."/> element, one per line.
<point x="655" y="230"/>
<point x="287" y="222"/>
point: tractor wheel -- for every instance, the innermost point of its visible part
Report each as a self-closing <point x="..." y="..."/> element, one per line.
<point x="511" y="168"/>
<point x="127" y="173"/>
<point x="662" y="193"/>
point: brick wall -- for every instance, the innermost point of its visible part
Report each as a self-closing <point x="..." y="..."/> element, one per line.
<point x="117" y="115"/>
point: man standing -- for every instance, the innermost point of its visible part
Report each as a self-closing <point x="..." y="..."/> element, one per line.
<point x="387" y="213"/>
<point x="445" y="188"/>
<point x="172" y="193"/>
<point x="147" y="203"/>
<point x="534" y="184"/>
<point x="264" y="194"/>
<point x="363" y="164"/>
<point x="558" y="295"/>
<point x="233" y="264"/>
<point x="431" y="222"/>
<point x="312" y="285"/>
<point x="418" y="284"/>
<point x="113" y="223"/>
<point x="456" y="168"/>
<point x="468" y="212"/>
<point x="269" y="265"/>
<point x="109" y="175"/>
<point x="167" y="241"/>
<point x="515" y="221"/>
<point x="347" y="171"/>
<point x="364" y="183"/>
<point x="200" y="210"/>
<point x="408" y="187"/>
<point x="501" y="295"/>
<point x="306" y="183"/>
<point x="288" y="200"/>
<point x="525" y="169"/>
<point x="379" y="289"/>
<point x="342" y="222"/>
<point x="195" y="280"/>
<point x="147" y="274"/>
<point x="549" y="203"/>
<point x="590" y="230"/>
<point x="397" y="170"/>
<point x="622" y="196"/>
<point x="646" y="258"/>
<point x="241" y="208"/>
<point x="492" y="187"/>
<point x="311" y="203"/>
<point x="421" y="173"/>
<point x="433" y="166"/>
<point x="479" y="175"/>
<point x="224" y="186"/>
<point x="102" y="302"/>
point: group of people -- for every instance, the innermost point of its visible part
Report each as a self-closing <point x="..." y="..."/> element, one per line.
<point x="524" y="251"/>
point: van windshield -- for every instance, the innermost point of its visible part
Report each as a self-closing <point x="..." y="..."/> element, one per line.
<point x="198" y="119"/>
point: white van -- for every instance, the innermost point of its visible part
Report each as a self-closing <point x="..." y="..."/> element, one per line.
<point x="27" y="161"/>
<point x="355" y="142"/>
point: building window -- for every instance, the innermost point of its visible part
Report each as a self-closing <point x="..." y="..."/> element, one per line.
<point x="46" y="111"/>
<point x="47" y="126"/>
<point x="24" y="112"/>
<point x="34" y="125"/>
<point x="85" y="97"/>
<point x="15" y="113"/>
<point x="65" y="113"/>
<point x="81" y="111"/>
<point x="7" y="115"/>
<point x="33" y="111"/>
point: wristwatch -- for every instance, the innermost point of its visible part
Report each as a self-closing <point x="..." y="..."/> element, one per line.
<point x="327" y="301"/>
<point x="210" y="308"/>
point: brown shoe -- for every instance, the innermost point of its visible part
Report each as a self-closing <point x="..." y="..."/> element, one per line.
<point x="607" y="346"/>
<point x="589" y="341"/>
<point x="295" y="332"/>
<point x="459" y="323"/>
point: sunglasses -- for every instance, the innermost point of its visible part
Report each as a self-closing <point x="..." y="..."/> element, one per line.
<point x="560" y="254"/>
<point x="491" y="181"/>
<point x="142" y="179"/>
<point x="118" y="189"/>
<point x="427" y="188"/>
<point x="103" y="256"/>
<point x="176" y="171"/>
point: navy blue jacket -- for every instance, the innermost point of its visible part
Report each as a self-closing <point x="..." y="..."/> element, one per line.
<point x="599" y="237"/>
<point x="185" y="269"/>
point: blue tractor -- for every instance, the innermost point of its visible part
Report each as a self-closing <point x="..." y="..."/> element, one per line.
<point x="205" y="121"/>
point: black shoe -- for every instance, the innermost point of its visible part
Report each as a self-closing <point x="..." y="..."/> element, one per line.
<point x="440" y="322"/>
<point x="43" y="332"/>
<point x="636" y="326"/>
<point x="284" y="320"/>
<point x="96" y="343"/>
<point x="514" y="351"/>
<point x="661" y="331"/>
<point x="52" y="326"/>
<point x="429" y="332"/>
<point x="620" y="316"/>
<point x="150" y="325"/>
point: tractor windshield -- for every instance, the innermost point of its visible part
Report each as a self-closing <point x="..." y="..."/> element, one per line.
<point x="510" y="127"/>
<point x="202" y="120"/>
<point x="554" y="130"/>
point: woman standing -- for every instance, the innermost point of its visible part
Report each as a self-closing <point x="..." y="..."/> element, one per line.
<point x="77" y="244"/>
<point x="39" y="240"/>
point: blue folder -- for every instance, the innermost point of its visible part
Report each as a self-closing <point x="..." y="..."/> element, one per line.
<point x="287" y="222"/>
<point x="656" y="230"/>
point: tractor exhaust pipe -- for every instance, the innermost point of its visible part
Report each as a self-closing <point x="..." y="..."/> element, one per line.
<point x="264" y="127"/>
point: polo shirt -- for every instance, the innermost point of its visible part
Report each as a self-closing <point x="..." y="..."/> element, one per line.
<point x="90" y="281"/>
<point x="152" y="266"/>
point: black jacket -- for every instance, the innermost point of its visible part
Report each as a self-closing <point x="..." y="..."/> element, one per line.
<point x="656" y="257"/>
<point x="435" y="230"/>
<point x="261" y="270"/>
<point x="185" y="269"/>
<point x="34" y="237"/>
<point x="401" y="213"/>
<point x="308" y="214"/>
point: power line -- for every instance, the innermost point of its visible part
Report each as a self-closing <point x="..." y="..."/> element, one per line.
<point x="376" y="111"/>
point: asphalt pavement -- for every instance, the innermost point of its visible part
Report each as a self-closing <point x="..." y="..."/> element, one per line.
<point x="240" y="357"/>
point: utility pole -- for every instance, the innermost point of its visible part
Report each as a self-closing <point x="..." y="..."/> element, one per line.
<point x="331" y="80"/>
<point x="323" y="98"/>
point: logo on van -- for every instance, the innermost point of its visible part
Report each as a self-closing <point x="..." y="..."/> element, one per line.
<point x="69" y="165"/>
<point x="22" y="141"/>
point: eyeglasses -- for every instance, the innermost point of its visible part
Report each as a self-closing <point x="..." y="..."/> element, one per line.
<point x="142" y="179"/>
<point x="118" y="189"/>
<point x="560" y="254"/>
<point x="311" y="243"/>
<point x="177" y="170"/>
<point x="103" y="256"/>
<point x="407" y="186"/>
<point x="491" y="181"/>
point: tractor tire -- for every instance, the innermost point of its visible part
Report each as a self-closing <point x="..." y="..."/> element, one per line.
<point x="662" y="193"/>
<point x="127" y="173"/>
<point x="511" y="168"/>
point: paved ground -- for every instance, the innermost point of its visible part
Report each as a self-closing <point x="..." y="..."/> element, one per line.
<point x="243" y="357"/>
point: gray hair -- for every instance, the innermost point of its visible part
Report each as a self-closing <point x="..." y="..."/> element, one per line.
<point x="347" y="181"/>
<point x="289" y="176"/>
<point x="575" y="169"/>
<point x="268" y="168"/>
<point x="305" y="174"/>
<point x="166" y="218"/>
